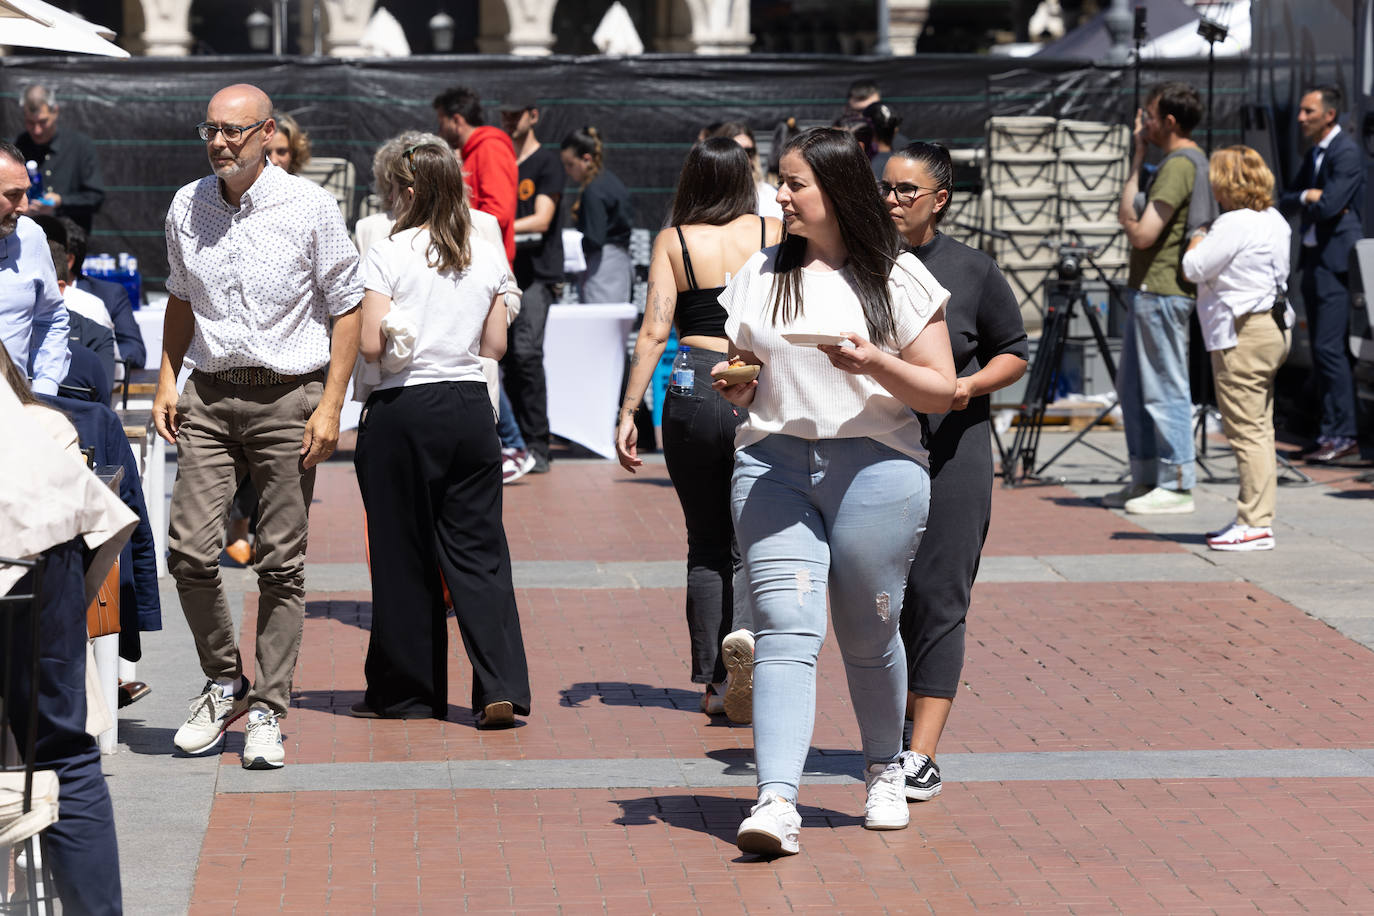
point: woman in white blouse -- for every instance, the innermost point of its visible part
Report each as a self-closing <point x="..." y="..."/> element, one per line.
<point x="1240" y="266"/>
<point x="428" y="459"/>
<point x="830" y="489"/>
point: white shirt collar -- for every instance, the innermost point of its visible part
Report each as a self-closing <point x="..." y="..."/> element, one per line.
<point x="1331" y="135"/>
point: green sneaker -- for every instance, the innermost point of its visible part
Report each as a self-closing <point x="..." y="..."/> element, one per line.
<point x="1161" y="502"/>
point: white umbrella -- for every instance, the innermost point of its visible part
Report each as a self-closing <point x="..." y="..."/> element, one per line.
<point x="36" y="24"/>
<point x="616" y="34"/>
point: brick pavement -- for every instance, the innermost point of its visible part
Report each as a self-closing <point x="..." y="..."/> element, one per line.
<point x="1062" y="666"/>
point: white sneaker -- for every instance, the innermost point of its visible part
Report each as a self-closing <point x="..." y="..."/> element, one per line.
<point x="1223" y="529"/>
<point x="262" y="749"/>
<point x="738" y="650"/>
<point x="773" y="828"/>
<point x="1160" y="501"/>
<point x="1117" y="499"/>
<point x="886" y="805"/>
<point x="211" y="713"/>
<point x="1242" y="537"/>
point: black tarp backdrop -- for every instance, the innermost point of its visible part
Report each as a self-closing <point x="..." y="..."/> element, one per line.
<point x="141" y="112"/>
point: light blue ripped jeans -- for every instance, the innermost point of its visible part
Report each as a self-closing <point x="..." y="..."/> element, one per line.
<point x="842" y="516"/>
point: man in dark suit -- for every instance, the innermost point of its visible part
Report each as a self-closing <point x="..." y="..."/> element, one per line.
<point x="114" y="295"/>
<point x="1326" y="195"/>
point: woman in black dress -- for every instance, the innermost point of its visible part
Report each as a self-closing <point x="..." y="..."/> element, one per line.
<point x="989" y="343"/>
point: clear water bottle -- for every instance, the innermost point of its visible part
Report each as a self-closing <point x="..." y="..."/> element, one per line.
<point x="35" y="180"/>
<point x="684" y="377"/>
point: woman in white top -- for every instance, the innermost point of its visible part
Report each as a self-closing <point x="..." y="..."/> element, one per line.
<point x="428" y="459"/>
<point x="1240" y="266"/>
<point x="830" y="486"/>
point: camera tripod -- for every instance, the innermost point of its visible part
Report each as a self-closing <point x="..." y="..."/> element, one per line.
<point x="1066" y="295"/>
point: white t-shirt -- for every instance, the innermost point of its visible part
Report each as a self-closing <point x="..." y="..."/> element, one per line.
<point x="1237" y="267"/>
<point x="447" y="309"/>
<point x="767" y="200"/>
<point x="800" y="394"/>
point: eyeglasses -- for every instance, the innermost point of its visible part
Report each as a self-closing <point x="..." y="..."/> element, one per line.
<point x="231" y="133"/>
<point x="409" y="155"/>
<point x="907" y="194"/>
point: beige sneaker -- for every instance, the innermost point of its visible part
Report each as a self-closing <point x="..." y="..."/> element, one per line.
<point x="262" y="749"/>
<point x="738" y="650"/>
<point x="211" y="713"/>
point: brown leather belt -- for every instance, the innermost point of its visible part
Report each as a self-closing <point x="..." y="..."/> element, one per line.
<point x="257" y="376"/>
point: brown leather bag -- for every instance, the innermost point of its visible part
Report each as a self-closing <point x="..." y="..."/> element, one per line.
<point x="102" y="617"/>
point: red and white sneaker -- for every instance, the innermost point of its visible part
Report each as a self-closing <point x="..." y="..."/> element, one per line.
<point x="1242" y="537"/>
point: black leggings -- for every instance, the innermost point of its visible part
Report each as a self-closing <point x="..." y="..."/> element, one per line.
<point x="941" y="579"/>
<point x="699" y="449"/>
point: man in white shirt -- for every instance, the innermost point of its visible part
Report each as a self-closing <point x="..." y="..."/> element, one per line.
<point x="264" y="287"/>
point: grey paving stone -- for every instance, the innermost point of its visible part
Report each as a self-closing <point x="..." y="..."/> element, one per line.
<point x="1139" y="567"/>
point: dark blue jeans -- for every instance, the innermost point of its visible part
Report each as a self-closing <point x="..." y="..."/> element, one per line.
<point x="81" y="846"/>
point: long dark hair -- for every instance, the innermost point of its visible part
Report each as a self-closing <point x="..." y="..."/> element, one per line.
<point x="845" y="177"/>
<point x="716" y="184"/>
<point x="935" y="159"/>
<point x="439" y="204"/>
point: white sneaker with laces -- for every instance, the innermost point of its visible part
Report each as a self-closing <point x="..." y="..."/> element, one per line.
<point x="262" y="749"/>
<point x="1242" y="537"/>
<point x="886" y="805"/>
<point x="773" y="828"/>
<point x="738" y="651"/>
<point x="1223" y="529"/>
<point x="211" y="714"/>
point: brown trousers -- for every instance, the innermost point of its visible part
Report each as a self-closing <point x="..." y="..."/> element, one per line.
<point x="1244" y="377"/>
<point x="228" y="431"/>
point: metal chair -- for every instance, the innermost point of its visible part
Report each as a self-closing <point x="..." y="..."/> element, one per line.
<point x="28" y="798"/>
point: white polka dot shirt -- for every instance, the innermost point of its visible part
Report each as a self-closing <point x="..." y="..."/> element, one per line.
<point x="263" y="280"/>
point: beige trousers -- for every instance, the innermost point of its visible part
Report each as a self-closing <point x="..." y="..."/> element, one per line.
<point x="1245" y="395"/>
<point x="228" y="431"/>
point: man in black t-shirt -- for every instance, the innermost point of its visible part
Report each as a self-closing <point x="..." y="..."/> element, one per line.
<point x="539" y="271"/>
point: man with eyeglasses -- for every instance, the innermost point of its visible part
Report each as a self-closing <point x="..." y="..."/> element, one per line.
<point x="72" y="185"/>
<point x="264" y="288"/>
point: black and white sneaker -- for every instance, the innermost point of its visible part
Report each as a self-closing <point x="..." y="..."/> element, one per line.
<point x="922" y="776"/>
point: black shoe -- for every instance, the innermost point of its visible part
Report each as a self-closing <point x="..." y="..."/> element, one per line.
<point x="922" y="776"/>
<point x="541" y="463"/>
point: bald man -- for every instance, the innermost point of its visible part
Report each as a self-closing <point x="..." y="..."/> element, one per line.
<point x="263" y="287"/>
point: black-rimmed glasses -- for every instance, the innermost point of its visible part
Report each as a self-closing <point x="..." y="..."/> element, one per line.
<point x="907" y="194"/>
<point x="230" y="132"/>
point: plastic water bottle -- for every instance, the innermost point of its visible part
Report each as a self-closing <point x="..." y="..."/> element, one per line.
<point x="684" y="377"/>
<point x="35" y="180"/>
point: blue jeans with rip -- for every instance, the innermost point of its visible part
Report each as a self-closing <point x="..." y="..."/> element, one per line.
<point x="1152" y="384"/>
<point x="841" y="517"/>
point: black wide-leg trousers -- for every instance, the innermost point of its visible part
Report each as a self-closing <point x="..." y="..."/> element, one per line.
<point x="429" y="467"/>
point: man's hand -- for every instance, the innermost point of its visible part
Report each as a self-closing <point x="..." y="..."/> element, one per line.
<point x="1142" y="139"/>
<point x="1312" y="195"/>
<point x="321" y="436"/>
<point x="165" y="419"/>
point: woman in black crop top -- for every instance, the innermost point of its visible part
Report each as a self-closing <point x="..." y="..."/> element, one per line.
<point x="713" y="232"/>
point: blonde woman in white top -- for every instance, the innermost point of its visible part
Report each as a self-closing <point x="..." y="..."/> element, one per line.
<point x="830" y="486"/>
<point x="429" y="462"/>
<point x="1239" y="265"/>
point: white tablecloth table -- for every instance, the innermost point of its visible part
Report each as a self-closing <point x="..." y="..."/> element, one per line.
<point x="584" y="362"/>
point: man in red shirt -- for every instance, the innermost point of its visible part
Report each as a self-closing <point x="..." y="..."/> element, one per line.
<point x="488" y="157"/>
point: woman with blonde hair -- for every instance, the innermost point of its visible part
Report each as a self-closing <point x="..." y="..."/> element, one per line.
<point x="289" y="147"/>
<point x="1240" y="266"/>
<point x="604" y="213"/>
<point x="428" y="458"/>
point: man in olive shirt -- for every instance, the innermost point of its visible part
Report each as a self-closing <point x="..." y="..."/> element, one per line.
<point x="66" y="159"/>
<point x="1152" y="381"/>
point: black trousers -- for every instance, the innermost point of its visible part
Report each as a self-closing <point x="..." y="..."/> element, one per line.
<point x="429" y="467"/>
<point x="1326" y="298"/>
<point x="940" y="583"/>
<point x="699" y="450"/>
<point x="523" y="367"/>
<point x="81" y="846"/>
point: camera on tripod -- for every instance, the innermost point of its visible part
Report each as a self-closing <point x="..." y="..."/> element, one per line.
<point x="1071" y="258"/>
